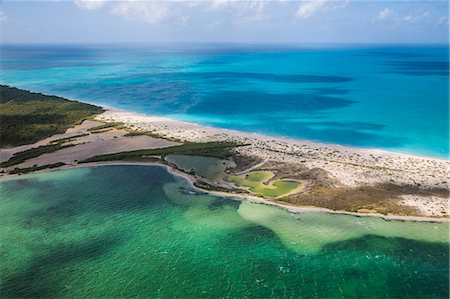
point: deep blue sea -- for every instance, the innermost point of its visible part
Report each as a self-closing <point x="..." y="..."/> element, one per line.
<point x="394" y="98"/>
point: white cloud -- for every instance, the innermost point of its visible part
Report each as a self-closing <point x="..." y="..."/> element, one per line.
<point x="89" y="4"/>
<point x="220" y="4"/>
<point x="152" y="12"/>
<point x="236" y="5"/>
<point x="416" y="17"/>
<point x="307" y="9"/>
<point x="3" y="17"/>
<point x="173" y="11"/>
<point x="385" y="14"/>
<point x="408" y="19"/>
<point x="390" y="16"/>
<point x="240" y="11"/>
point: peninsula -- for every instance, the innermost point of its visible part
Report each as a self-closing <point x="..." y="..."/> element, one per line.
<point x="295" y="174"/>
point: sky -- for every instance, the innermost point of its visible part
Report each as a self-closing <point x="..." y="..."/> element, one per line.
<point x="224" y="21"/>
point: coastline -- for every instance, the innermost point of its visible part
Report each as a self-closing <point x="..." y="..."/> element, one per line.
<point x="347" y="167"/>
<point x="336" y="159"/>
<point x="276" y="137"/>
<point x="241" y="197"/>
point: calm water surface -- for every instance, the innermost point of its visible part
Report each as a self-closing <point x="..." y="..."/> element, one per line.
<point x="386" y="97"/>
<point x="138" y="231"/>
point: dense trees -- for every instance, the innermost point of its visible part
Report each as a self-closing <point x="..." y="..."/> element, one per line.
<point x="27" y="117"/>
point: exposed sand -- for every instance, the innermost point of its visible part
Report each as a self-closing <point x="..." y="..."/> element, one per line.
<point x="427" y="205"/>
<point x="6" y="153"/>
<point x="110" y="141"/>
<point x="255" y="199"/>
<point x="349" y="166"/>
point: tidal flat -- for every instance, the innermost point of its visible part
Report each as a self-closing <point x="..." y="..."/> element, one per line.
<point x="140" y="231"/>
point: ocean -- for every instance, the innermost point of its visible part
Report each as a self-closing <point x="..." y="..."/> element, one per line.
<point x="139" y="231"/>
<point x="387" y="97"/>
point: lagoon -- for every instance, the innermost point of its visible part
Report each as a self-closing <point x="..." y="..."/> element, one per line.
<point x="139" y="231"/>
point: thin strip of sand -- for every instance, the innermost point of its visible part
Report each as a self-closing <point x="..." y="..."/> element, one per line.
<point x="348" y="167"/>
<point x="240" y="197"/>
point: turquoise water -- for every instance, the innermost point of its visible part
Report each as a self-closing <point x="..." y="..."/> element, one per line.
<point x="388" y="97"/>
<point x="138" y="231"/>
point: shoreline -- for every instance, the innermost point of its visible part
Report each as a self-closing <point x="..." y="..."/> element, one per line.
<point x="336" y="159"/>
<point x="376" y="150"/>
<point x="344" y="167"/>
<point x="280" y="137"/>
<point x="241" y="197"/>
<point x="276" y="137"/>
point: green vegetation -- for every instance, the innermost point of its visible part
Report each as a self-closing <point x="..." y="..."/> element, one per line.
<point x="108" y="126"/>
<point x="259" y="176"/>
<point x="68" y="139"/>
<point x="150" y="134"/>
<point x="27" y="117"/>
<point x="101" y="131"/>
<point x="140" y="133"/>
<point x="211" y="149"/>
<point x="210" y="168"/>
<point x="99" y="128"/>
<point x="36" y="168"/>
<point x="381" y="198"/>
<point x="20" y="157"/>
<point x="257" y="183"/>
<point x="277" y="188"/>
<point x="252" y="180"/>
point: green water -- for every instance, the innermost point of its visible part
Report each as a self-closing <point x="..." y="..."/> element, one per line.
<point x="207" y="167"/>
<point x="138" y="231"/>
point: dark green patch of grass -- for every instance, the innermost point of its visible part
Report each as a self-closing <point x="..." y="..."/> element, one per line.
<point x="20" y="157"/>
<point x="212" y="149"/>
<point x="99" y="128"/>
<point x="36" y="168"/>
<point x="150" y="134"/>
<point x="141" y="133"/>
<point x="68" y="139"/>
<point x="101" y="131"/>
<point x="27" y="117"/>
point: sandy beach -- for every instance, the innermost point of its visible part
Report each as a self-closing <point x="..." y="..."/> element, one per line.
<point x="348" y="167"/>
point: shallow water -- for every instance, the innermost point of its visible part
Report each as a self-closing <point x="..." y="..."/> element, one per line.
<point x="210" y="168"/>
<point x="389" y="97"/>
<point x="134" y="231"/>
